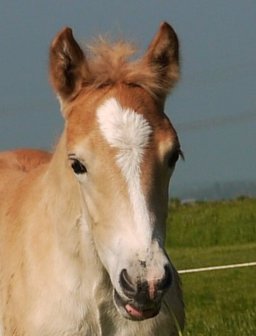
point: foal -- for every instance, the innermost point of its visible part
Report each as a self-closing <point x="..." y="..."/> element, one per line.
<point x="82" y="231"/>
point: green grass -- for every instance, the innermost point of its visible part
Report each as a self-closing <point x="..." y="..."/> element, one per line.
<point x="205" y="234"/>
<point x="221" y="302"/>
<point x="212" y="224"/>
<point x="194" y="257"/>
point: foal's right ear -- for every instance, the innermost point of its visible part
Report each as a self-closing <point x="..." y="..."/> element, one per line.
<point x="68" y="66"/>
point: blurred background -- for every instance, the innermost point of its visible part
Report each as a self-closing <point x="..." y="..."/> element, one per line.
<point x="213" y="107"/>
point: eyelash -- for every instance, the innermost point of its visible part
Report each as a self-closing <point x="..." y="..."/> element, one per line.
<point x="77" y="166"/>
<point x="174" y="157"/>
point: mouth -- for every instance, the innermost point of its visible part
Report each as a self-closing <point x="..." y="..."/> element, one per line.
<point x="134" y="311"/>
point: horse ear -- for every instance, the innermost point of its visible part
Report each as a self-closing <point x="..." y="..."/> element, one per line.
<point x="162" y="57"/>
<point x="68" y="66"/>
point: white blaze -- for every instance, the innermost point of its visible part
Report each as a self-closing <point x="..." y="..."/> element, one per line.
<point x="129" y="133"/>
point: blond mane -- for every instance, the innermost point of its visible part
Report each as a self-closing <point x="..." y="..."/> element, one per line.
<point x="113" y="62"/>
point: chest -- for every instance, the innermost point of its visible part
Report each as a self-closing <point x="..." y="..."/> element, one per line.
<point x="81" y="311"/>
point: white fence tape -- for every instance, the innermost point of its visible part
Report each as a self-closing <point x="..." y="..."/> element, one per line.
<point x="215" y="268"/>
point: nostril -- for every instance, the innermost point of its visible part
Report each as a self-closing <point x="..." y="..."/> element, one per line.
<point x="166" y="281"/>
<point x="126" y="283"/>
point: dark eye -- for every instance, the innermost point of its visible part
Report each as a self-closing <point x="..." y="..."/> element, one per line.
<point x="78" y="167"/>
<point x="174" y="157"/>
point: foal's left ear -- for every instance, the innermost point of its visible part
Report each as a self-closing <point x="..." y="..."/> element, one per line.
<point x="162" y="57"/>
<point x="68" y="66"/>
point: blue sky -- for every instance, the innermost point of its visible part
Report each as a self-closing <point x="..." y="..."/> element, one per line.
<point x="213" y="107"/>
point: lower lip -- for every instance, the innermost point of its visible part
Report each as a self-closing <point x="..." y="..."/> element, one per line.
<point x="139" y="314"/>
<point x="132" y="312"/>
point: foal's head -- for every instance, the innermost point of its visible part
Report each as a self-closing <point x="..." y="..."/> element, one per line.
<point x="122" y="150"/>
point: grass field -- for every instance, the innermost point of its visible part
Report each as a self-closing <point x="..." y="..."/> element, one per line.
<point x="222" y="302"/>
